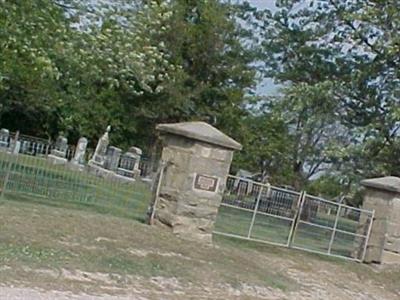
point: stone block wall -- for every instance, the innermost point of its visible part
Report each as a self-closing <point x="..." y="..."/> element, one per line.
<point x="380" y="202"/>
<point x="190" y="211"/>
<point x="384" y="242"/>
<point x="392" y="242"/>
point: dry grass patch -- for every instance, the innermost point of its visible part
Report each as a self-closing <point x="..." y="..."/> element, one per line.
<point x="86" y="252"/>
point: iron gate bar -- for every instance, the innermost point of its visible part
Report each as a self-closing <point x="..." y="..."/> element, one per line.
<point x="282" y="189"/>
<point x="241" y="237"/>
<point x="325" y="253"/>
<point x="341" y="204"/>
<point x="331" y="228"/>
<point x="295" y="220"/>
<point x="317" y="225"/>
<point x="350" y="233"/>
<point x="255" y="210"/>
<point x="258" y="212"/>
<point x="280" y="202"/>
<point x="275" y="216"/>
<point x="297" y="217"/>
<point x="235" y="188"/>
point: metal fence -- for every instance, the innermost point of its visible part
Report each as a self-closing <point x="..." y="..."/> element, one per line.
<point x="33" y="146"/>
<point x="278" y="216"/>
<point x="28" y="175"/>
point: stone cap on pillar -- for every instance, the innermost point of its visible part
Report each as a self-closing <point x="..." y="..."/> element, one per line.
<point x="200" y="131"/>
<point x="388" y="183"/>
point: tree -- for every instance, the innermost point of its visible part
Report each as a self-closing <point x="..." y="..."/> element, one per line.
<point x="351" y="48"/>
<point x="209" y="77"/>
<point x="207" y="40"/>
<point x="295" y="137"/>
<point x="30" y="35"/>
<point x="77" y="66"/>
<point x="123" y="68"/>
<point x="266" y="145"/>
<point x="57" y="77"/>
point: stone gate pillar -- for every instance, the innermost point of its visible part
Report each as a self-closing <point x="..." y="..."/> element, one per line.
<point x="197" y="158"/>
<point x="383" y="195"/>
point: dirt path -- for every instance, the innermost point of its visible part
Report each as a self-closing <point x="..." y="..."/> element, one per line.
<point x="320" y="284"/>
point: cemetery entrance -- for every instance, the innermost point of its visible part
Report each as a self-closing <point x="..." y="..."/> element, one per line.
<point x="263" y="213"/>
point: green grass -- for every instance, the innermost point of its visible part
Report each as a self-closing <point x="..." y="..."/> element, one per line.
<point x="236" y="221"/>
<point x="36" y="237"/>
<point x="344" y="224"/>
<point x="275" y="230"/>
<point x="35" y="179"/>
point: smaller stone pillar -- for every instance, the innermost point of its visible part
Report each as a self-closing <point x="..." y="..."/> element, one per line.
<point x="383" y="196"/>
<point x="197" y="158"/>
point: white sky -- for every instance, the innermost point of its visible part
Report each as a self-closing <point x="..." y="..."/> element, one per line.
<point x="263" y="3"/>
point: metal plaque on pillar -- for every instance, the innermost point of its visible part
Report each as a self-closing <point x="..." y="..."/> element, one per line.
<point x="206" y="183"/>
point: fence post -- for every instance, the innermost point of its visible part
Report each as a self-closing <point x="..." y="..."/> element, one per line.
<point x="255" y="210"/>
<point x="157" y="192"/>
<point x="367" y="236"/>
<point x="334" y="229"/>
<point x="296" y="219"/>
<point x="9" y="165"/>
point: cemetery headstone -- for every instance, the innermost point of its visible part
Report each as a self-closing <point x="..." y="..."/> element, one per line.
<point x="137" y="154"/>
<point x="127" y="165"/>
<point x="4" y="137"/>
<point x="79" y="157"/>
<point x="24" y="147"/>
<point x="61" y="146"/>
<point x="17" y="147"/>
<point x="113" y="155"/>
<point x="101" y="149"/>
<point x="58" y="154"/>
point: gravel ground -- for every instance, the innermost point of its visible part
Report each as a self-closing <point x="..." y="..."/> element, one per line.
<point x="17" y="293"/>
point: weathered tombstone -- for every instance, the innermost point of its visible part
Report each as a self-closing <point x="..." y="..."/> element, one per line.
<point x="101" y="149"/>
<point x="79" y="156"/>
<point x="197" y="158"/>
<point x="60" y="148"/>
<point x="24" y="147"/>
<point x="4" y="137"/>
<point x="383" y="196"/>
<point x="127" y="165"/>
<point x="58" y="154"/>
<point x="137" y="154"/>
<point x="17" y="147"/>
<point x="111" y="160"/>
